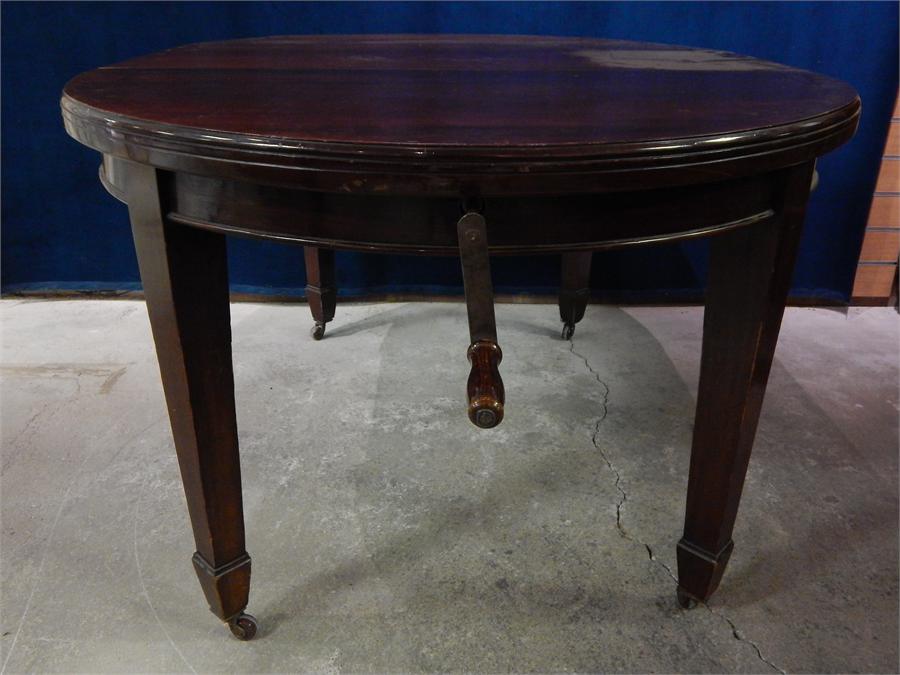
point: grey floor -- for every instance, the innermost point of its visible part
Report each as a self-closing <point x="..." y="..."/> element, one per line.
<point x="389" y="534"/>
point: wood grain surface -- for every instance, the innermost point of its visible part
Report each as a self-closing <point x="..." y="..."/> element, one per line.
<point x="453" y="107"/>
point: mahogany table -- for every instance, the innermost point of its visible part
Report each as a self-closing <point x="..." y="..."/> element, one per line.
<point x="468" y="146"/>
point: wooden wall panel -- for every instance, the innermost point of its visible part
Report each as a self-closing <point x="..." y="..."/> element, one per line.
<point x="889" y="176"/>
<point x="881" y="246"/>
<point x="885" y="211"/>
<point x="893" y="142"/>
<point x="873" y="281"/>
<point x="877" y="269"/>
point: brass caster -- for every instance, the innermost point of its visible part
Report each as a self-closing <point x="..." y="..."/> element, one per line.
<point x="568" y="331"/>
<point x="243" y="626"/>
<point x="685" y="599"/>
<point x="318" y="331"/>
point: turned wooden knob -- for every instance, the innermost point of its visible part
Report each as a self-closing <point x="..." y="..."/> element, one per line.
<point x="485" y="388"/>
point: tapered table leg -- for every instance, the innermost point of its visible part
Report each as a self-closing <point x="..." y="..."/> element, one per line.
<point x="749" y="278"/>
<point x="185" y="279"/>
<point x="574" y="290"/>
<point x="321" y="290"/>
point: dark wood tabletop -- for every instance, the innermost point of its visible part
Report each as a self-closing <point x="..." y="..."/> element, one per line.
<point x="449" y="104"/>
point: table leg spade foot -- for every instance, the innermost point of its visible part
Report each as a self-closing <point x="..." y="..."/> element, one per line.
<point x="318" y="330"/>
<point x="243" y="626"/>
<point x="685" y="599"/>
<point x="699" y="571"/>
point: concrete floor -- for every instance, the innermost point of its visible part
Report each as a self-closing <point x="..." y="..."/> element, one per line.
<point x="389" y="534"/>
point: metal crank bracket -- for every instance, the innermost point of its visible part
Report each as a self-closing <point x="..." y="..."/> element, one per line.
<point x="485" y="388"/>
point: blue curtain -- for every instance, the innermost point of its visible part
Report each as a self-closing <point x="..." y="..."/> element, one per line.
<point x="60" y="230"/>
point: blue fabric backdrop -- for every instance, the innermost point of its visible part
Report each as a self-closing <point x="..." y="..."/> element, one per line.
<point x="62" y="231"/>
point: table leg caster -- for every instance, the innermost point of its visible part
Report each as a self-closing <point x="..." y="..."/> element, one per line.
<point x="321" y="291"/>
<point x="243" y="626"/>
<point x="685" y="599"/>
<point x="574" y="291"/>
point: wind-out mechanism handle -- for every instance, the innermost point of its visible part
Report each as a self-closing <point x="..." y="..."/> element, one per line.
<point x="485" y="387"/>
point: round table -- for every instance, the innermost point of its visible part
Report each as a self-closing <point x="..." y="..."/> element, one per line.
<point x="458" y="145"/>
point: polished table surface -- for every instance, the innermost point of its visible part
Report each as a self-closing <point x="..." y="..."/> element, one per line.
<point x="381" y="143"/>
<point x="381" y="108"/>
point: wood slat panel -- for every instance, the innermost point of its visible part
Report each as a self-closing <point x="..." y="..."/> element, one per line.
<point x="889" y="176"/>
<point x="880" y="246"/>
<point x="885" y="211"/>
<point x="893" y="140"/>
<point x="874" y="281"/>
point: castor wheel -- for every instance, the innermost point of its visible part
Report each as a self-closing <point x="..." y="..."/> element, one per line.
<point x="568" y="331"/>
<point x="243" y="626"/>
<point x="318" y="331"/>
<point x="685" y="599"/>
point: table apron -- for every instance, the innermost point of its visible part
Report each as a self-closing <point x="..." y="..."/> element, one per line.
<point x="427" y="225"/>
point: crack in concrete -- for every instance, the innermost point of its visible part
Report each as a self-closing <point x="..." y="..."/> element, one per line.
<point x="16" y="448"/>
<point x="738" y="636"/>
<point x="623" y="497"/>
